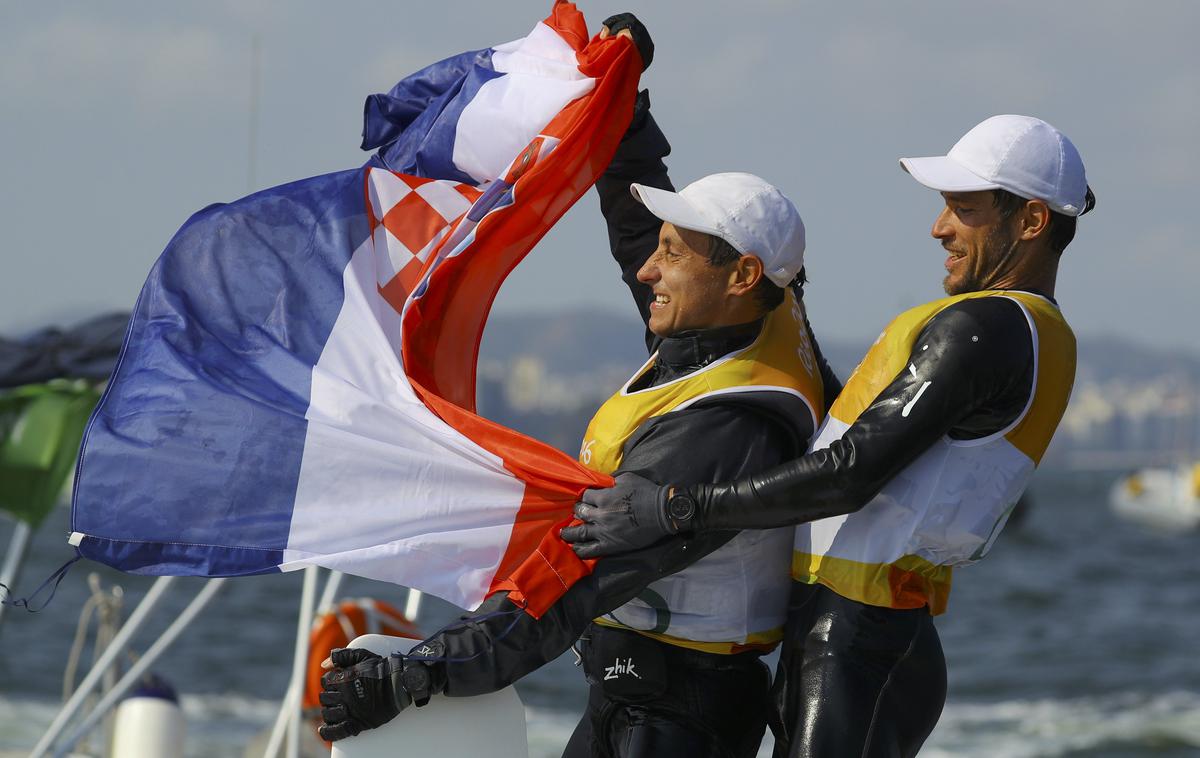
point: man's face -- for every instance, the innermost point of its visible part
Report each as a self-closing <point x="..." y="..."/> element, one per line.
<point x="689" y="292"/>
<point x="981" y="242"/>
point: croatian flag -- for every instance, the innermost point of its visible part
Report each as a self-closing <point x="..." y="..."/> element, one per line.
<point x="297" y="386"/>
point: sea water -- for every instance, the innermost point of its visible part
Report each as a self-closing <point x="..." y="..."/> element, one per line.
<point x="1079" y="635"/>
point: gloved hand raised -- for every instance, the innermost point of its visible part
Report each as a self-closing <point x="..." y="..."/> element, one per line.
<point x="363" y="691"/>
<point x="630" y="515"/>
<point x="635" y="29"/>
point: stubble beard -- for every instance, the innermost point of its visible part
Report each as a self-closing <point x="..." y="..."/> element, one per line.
<point x="950" y="290"/>
<point x="1000" y="238"/>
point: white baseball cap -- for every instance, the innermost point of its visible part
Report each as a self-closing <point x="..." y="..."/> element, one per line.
<point x="741" y="209"/>
<point x="1021" y="154"/>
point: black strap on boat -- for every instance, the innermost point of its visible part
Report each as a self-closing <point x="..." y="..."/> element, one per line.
<point x="23" y="602"/>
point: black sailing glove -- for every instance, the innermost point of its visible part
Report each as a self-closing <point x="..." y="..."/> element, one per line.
<point x="630" y="515"/>
<point x="363" y="691"/>
<point x="641" y="37"/>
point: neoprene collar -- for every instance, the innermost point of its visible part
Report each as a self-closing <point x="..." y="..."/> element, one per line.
<point x="685" y="352"/>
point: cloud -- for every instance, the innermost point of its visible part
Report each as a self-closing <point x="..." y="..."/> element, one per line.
<point x="390" y="65"/>
<point x="721" y="72"/>
<point x="1170" y="118"/>
<point x="75" y="61"/>
<point x="901" y="70"/>
<point x="1170" y="250"/>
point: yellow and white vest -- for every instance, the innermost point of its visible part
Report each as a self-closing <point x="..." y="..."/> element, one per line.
<point x="735" y="598"/>
<point x="947" y="506"/>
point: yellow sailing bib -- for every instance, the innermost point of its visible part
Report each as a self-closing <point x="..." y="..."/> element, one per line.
<point x="947" y="506"/>
<point x="734" y="598"/>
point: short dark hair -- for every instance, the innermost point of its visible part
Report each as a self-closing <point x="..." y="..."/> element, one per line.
<point x="767" y="293"/>
<point x="1059" y="231"/>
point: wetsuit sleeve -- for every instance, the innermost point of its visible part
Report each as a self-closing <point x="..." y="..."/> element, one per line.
<point x="972" y="361"/>
<point x="831" y="385"/>
<point x="499" y="643"/>
<point x="699" y="445"/>
<point x="633" y="230"/>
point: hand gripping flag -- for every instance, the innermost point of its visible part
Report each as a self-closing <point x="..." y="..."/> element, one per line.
<point x="297" y="386"/>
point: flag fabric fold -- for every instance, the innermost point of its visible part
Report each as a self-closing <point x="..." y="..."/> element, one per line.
<point x="297" y="386"/>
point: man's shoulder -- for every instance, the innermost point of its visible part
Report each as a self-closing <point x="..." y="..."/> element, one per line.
<point x="719" y="438"/>
<point x="993" y="329"/>
<point x="983" y="345"/>
<point x="766" y="410"/>
<point x="993" y="312"/>
<point x="775" y="407"/>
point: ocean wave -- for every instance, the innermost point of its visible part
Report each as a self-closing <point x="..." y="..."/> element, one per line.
<point x="1139" y="723"/>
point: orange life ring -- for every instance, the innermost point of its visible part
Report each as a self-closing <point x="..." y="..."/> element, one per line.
<point x="336" y="627"/>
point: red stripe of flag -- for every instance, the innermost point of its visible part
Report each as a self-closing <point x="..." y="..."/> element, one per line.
<point x="442" y="329"/>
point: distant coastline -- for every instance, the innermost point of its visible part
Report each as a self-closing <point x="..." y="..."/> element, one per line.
<point x="544" y="373"/>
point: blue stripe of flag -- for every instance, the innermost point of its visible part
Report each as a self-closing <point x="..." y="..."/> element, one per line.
<point x="415" y="123"/>
<point x="203" y="423"/>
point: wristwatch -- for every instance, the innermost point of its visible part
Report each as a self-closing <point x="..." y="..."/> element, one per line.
<point x="417" y="675"/>
<point x="681" y="509"/>
<point x="418" y="682"/>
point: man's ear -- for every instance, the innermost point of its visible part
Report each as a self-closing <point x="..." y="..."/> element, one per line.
<point x="1034" y="218"/>
<point x="745" y="275"/>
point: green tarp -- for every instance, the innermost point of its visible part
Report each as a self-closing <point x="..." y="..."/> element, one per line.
<point x="41" y="426"/>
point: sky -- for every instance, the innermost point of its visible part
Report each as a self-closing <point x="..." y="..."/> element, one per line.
<point x="118" y="120"/>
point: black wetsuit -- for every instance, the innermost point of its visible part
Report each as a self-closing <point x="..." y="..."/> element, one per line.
<point x="854" y="679"/>
<point x="682" y="702"/>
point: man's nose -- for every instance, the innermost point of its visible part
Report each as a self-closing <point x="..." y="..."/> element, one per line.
<point x="941" y="228"/>
<point x="648" y="273"/>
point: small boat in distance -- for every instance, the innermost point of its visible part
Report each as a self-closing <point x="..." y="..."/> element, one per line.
<point x="1161" y="497"/>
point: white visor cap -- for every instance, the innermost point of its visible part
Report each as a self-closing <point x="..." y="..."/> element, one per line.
<point x="1021" y="154"/>
<point x="742" y="209"/>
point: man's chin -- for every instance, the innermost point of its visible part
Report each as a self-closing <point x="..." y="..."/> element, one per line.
<point x="658" y="327"/>
<point x="955" y="286"/>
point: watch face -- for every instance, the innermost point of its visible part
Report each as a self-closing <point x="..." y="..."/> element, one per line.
<point x="681" y="507"/>
<point x="416" y="679"/>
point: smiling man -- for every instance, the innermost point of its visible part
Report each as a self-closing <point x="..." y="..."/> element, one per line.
<point x="920" y="460"/>
<point x="672" y="633"/>
<point x="733" y="387"/>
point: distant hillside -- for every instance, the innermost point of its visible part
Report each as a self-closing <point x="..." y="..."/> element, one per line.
<point x="571" y="341"/>
<point x="1102" y="358"/>
<point x="545" y="374"/>
<point x="577" y="342"/>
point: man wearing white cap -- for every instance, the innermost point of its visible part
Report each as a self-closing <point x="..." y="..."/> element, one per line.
<point x="920" y="460"/>
<point x="734" y="387"/>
